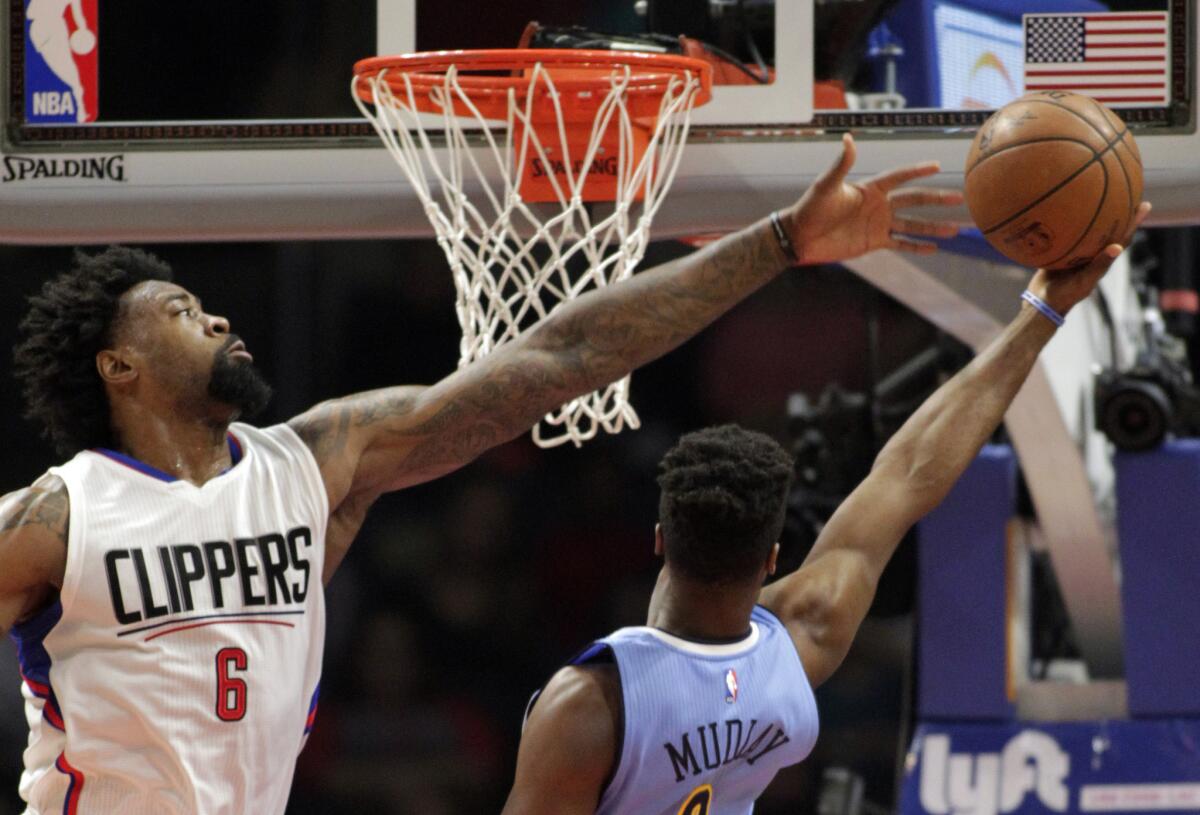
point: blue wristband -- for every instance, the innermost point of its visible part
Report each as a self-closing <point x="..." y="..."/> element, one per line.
<point x="1042" y="306"/>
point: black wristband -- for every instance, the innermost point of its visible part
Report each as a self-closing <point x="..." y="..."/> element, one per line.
<point x="785" y="243"/>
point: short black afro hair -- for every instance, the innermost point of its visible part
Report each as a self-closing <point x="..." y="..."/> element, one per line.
<point x="724" y="492"/>
<point x="68" y="323"/>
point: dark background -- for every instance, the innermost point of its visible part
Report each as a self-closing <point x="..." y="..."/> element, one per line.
<point x="225" y="68"/>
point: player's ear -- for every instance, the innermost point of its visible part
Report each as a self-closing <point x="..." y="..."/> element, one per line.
<point x="658" y="540"/>
<point x="773" y="558"/>
<point x="114" y="368"/>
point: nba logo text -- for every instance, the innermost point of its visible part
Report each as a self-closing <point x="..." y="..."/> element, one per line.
<point x="61" y="65"/>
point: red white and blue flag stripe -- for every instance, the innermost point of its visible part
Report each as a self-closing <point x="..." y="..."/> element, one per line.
<point x="74" y="786"/>
<point x="35" y="666"/>
<point x="1120" y="58"/>
<point x="35" y="661"/>
<point x="311" y="719"/>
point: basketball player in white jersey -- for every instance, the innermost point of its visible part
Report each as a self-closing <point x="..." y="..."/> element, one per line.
<point x="48" y="33"/>
<point x="695" y="712"/>
<point x="164" y="585"/>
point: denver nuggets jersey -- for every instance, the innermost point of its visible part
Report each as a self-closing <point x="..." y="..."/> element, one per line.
<point x="178" y="672"/>
<point x="706" y="727"/>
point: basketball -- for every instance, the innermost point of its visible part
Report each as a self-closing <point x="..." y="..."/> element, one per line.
<point x="1053" y="178"/>
<point x="82" y="41"/>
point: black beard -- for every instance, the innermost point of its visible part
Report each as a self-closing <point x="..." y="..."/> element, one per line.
<point x="238" y="383"/>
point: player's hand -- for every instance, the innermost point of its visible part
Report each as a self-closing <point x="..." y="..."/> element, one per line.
<point x="837" y="220"/>
<point x="1061" y="290"/>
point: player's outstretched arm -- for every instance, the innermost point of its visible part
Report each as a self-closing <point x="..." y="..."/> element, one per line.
<point x="569" y="745"/>
<point x="389" y="439"/>
<point x="33" y="548"/>
<point x="824" y="602"/>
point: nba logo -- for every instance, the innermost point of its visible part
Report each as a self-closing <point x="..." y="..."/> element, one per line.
<point x="61" y="65"/>
<point x="731" y="686"/>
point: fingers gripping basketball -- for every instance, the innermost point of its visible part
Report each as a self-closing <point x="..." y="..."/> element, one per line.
<point x="1053" y="178"/>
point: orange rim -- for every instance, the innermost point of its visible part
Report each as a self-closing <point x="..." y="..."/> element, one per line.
<point x="582" y="78"/>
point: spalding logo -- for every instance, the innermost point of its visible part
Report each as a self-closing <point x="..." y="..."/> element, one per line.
<point x="992" y="783"/>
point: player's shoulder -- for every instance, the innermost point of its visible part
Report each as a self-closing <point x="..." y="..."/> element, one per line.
<point x="583" y="689"/>
<point x="765" y="617"/>
<point x="45" y="503"/>
<point x="34" y="523"/>
<point x="581" y="696"/>
<point x="580" y="711"/>
<point x="273" y="440"/>
<point x="243" y="431"/>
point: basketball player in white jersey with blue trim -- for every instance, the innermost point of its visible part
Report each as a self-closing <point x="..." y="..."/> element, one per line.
<point x="164" y="586"/>
<point x="695" y="712"/>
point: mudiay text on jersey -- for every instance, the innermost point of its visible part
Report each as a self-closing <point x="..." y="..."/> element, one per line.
<point x="741" y="743"/>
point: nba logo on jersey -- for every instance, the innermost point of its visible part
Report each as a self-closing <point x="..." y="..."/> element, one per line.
<point x="731" y="686"/>
<point x="61" y="65"/>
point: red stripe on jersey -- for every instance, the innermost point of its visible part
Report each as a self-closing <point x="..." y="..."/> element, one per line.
<point x="50" y="711"/>
<point x="215" y="622"/>
<point x="39" y="690"/>
<point x="74" y="789"/>
<point x="52" y="714"/>
<point x="312" y="710"/>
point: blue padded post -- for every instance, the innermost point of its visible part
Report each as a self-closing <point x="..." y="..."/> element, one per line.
<point x="962" y="564"/>
<point x="1158" y="519"/>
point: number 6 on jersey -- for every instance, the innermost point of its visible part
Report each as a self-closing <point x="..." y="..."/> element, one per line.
<point x="231" y="690"/>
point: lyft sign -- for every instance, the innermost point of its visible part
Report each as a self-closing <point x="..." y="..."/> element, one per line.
<point x="991" y="783"/>
<point x="997" y="768"/>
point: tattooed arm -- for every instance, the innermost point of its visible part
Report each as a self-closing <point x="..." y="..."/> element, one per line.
<point x="33" y="548"/>
<point x="397" y="437"/>
<point x="389" y="439"/>
<point x="384" y="440"/>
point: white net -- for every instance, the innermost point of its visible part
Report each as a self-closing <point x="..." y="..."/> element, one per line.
<point x="513" y="261"/>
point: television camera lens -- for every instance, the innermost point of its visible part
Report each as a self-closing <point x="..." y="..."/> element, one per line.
<point x="1135" y="415"/>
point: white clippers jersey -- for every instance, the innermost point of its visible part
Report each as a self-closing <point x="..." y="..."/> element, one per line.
<point x="179" y="671"/>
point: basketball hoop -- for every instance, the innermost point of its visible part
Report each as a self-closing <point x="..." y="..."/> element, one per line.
<point x="528" y="138"/>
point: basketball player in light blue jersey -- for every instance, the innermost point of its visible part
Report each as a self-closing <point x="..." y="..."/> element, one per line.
<point x="695" y="712"/>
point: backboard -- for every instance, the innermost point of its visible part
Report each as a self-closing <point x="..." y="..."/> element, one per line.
<point x="228" y="120"/>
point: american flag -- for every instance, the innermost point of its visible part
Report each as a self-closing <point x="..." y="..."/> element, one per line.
<point x="1119" y="58"/>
